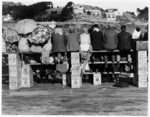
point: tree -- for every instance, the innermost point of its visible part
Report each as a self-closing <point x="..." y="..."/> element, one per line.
<point x="143" y="13"/>
<point x="67" y="12"/>
<point x="88" y="13"/>
<point x="38" y="9"/>
<point x="31" y="11"/>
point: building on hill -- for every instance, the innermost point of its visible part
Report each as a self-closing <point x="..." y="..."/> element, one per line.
<point x="92" y="10"/>
<point x="7" y="18"/>
<point x="112" y="14"/>
<point x="78" y="9"/>
<point x="86" y="9"/>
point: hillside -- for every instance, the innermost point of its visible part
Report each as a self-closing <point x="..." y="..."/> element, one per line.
<point x="126" y="18"/>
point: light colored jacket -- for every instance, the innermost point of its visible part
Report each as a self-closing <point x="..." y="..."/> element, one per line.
<point x="85" y="42"/>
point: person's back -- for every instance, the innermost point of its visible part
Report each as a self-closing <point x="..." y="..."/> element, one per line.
<point x="58" y="41"/>
<point x="97" y="39"/>
<point x="84" y="38"/>
<point x="145" y="38"/>
<point x="124" y="39"/>
<point x="136" y="36"/>
<point x="110" y="39"/>
<point x="85" y="41"/>
<point x="73" y="41"/>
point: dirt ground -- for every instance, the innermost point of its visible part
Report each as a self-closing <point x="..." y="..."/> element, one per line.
<point x="87" y="100"/>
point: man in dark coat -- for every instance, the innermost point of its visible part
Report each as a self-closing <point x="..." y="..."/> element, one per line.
<point x="59" y="42"/>
<point x="72" y="40"/>
<point x="110" y="43"/>
<point x="110" y="38"/>
<point x="124" y="40"/>
<point x="97" y="38"/>
<point x="145" y="38"/>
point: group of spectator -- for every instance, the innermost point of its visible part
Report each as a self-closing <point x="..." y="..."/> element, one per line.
<point x="95" y="40"/>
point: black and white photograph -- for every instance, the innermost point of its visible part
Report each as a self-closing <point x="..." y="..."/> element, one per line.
<point x="75" y="57"/>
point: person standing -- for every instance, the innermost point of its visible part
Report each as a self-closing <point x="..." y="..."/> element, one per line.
<point x="124" y="40"/>
<point x="59" y="41"/>
<point x="97" y="39"/>
<point x="145" y="38"/>
<point x="72" y="40"/>
<point x="136" y="36"/>
<point x="124" y="43"/>
<point x="110" y="43"/>
<point x="110" y="39"/>
<point x="85" y="48"/>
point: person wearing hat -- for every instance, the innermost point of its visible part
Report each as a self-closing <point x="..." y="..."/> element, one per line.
<point x="72" y="40"/>
<point x="97" y="38"/>
<point x="59" y="41"/>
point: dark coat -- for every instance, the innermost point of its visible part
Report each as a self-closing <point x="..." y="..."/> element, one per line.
<point x="97" y="40"/>
<point x="110" y="39"/>
<point x="145" y="38"/>
<point x="58" y="42"/>
<point x="73" y="42"/>
<point x="124" y="41"/>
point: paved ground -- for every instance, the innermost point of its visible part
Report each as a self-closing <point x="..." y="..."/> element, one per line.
<point x="88" y="100"/>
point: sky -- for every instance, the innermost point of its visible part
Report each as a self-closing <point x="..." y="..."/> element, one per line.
<point x="121" y="5"/>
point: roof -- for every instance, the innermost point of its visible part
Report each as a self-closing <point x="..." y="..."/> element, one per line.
<point x="111" y="10"/>
<point x="110" y="13"/>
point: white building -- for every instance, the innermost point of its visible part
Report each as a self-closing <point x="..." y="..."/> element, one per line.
<point x="84" y="9"/>
<point x="92" y="10"/>
<point x="78" y="9"/>
<point x="111" y="14"/>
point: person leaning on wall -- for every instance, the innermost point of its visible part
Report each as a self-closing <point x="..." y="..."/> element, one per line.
<point x="145" y="38"/>
<point x="72" y="41"/>
<point x="85" y="49"/>
<point x="59" y="41"/>
<point x="124" y="43"/>
<point x="97" y="39"/>
<point x="110" y="43"/>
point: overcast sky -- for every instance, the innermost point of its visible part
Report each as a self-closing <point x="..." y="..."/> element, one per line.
<point x="121" y="5"/>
